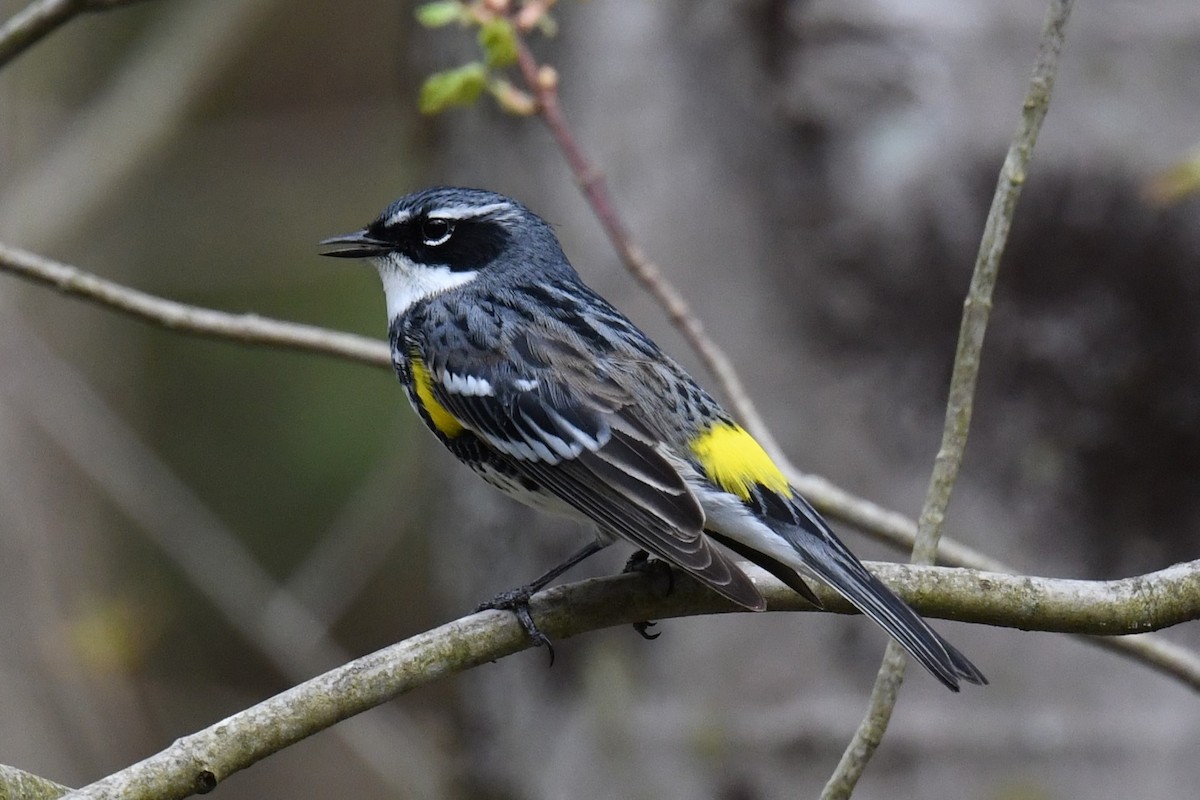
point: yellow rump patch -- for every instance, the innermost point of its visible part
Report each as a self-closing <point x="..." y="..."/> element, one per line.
<point x="445" y="422"/>
<point x="735" y="462"/>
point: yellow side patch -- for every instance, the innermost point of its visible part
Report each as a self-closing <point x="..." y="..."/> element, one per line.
<point x="734" y="461"/>
<point x="445" y="422"/>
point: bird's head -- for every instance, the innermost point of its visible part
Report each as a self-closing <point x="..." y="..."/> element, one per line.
<point x="443" y="238"/>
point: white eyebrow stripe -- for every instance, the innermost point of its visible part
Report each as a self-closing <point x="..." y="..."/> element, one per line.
<point x="403" y="215"/>
<point x="469" y="212"/>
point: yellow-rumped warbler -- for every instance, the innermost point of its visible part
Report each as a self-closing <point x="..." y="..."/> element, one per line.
<point x="549" y="393"/>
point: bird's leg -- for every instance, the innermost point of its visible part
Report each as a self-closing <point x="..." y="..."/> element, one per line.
<point x="517" y="600"/>
<point x="640" y="561"/>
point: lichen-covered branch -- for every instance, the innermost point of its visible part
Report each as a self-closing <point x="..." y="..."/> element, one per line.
<point x="17" y="784"/>
<point x="198" y="762"/>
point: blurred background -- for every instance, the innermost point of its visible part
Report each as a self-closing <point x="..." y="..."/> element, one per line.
<point x="189" y="526"/>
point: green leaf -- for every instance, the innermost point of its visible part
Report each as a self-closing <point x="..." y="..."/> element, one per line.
<point x="499" y="42"/>
<point x="439" y="13"/>
<point x="453" y="87"/>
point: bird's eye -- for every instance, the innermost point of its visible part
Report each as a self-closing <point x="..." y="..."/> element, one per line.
<point x="436" y="231"/>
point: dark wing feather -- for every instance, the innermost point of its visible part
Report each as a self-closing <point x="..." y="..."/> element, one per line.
<point x="825" y="555"/>
<point x="573" y="438"/>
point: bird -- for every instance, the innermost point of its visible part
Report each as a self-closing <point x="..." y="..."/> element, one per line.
<point x="553" y="396"/>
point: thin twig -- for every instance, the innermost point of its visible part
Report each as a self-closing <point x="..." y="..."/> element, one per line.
<point x="1158" y="653"/>
<point x="200" y="761"/>
<point x="960" y="405"/>
<point x="39" y="19"/>
<point x="244" y="328"/>
<point x="885" y="525"/>
<point x="33" y="23"/>
<point x="164" y="73"/>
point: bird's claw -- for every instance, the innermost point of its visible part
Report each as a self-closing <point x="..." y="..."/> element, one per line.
<point x="641" y="561"/>
<point x="517" y="601"/>
<point x="642" y="627"/>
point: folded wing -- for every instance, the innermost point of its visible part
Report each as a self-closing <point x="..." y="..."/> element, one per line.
<point x="574" y="437"/>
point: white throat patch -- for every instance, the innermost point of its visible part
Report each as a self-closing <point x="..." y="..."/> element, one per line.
<point x="404" y="282"/>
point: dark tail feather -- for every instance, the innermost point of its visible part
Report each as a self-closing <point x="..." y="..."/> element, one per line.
<point x="831" y="561"/>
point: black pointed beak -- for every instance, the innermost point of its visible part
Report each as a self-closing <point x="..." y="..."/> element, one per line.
<point x="359" y="244"/>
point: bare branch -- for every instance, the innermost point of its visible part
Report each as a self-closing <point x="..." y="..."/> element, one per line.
<point x="960" y="405"/>
<point x="200" y="761"/>
<point x="170" y="68"/>
<point x="38" y="20"/>
<point x="34" y="22"/>
<point x="244" y="328"/>
<point x="885" y="525"/>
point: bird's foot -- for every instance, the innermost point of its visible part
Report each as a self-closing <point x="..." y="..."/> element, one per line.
<point x="641" y="561"/>
<point x="642" y="627"/>
<point x="517" y="601"/>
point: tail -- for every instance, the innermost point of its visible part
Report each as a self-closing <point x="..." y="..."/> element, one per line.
<point x="823" y="554"/>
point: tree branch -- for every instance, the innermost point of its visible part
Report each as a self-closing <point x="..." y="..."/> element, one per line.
<point x="17" y="784"/>
<point x="198" y="762"/>
<point x="165" y="72"/>
<point x="244" y="328"/>
<point x="964" y="377"/>
<point x="39" y="19"/>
